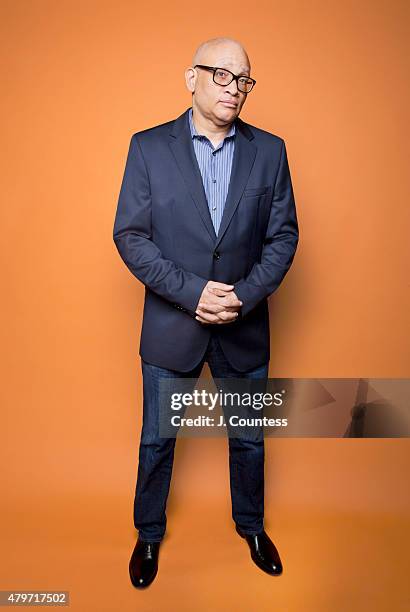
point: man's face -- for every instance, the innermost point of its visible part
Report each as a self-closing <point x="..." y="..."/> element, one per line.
<point x="220" y="103"/>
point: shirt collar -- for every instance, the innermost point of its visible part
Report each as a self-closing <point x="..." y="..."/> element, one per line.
<point x="231" y="132"/>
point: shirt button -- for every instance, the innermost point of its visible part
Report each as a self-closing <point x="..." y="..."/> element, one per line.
<point x="214" y="180"/>
<point x="213" y="207"/>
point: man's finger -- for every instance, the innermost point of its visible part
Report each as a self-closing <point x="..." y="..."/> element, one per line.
<point x="218" y="292"/>
<point x="228" y="294"/>
<point x="201" y="320"/>
<point x="215" y="308"/>
<point x="223" y="315"/>
<point x="225" y="302"/>
<point x="211" y="307"/>
<point x="218" y="285"/>
<point x="219" y="288"/>
<point x="208" y="316"/>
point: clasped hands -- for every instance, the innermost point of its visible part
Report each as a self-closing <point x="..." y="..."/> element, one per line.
<point x="218" y="304"/>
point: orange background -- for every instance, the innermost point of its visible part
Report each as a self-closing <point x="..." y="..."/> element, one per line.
<point x="79" y="78"/>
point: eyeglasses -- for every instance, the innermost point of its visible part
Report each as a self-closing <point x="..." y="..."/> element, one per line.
<point x="222" y="76"/>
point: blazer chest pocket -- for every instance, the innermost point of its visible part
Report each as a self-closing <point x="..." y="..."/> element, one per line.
<point x="255" y="191"/>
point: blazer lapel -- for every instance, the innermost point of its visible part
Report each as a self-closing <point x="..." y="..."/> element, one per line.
<point x="243" y="159"/>
<point x="183" y="149"/>
<point x="244" y="156"/>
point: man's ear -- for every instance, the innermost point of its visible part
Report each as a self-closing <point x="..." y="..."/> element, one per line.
<point x="190" y="79"/>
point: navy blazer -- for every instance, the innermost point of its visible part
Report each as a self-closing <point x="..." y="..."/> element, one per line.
<point x="164" y="233"/>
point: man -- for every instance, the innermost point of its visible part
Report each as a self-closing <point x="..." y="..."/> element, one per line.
<point x="206" y="220"/>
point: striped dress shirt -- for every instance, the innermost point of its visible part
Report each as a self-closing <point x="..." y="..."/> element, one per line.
<point x="215" y="164"/>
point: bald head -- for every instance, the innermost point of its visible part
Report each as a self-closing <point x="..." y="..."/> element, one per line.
<point x="217" y="105"/>
<point x="221" y="46"/>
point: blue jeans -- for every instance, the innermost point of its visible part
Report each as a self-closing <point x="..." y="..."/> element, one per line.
<point x="156" y="455"/>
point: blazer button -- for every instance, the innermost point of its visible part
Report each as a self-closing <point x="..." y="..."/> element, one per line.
<point x="216" y="255"/>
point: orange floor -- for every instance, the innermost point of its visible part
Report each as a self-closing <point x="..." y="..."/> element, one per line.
<point x="336" y="509"/>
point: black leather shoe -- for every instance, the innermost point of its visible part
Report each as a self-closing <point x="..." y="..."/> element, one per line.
<point x="263" y="552"/>
<point x="144" y="563"/>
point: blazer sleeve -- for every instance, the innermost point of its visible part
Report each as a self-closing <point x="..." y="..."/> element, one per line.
<point x="133" y="238"/>
<point x="279" y="245"/>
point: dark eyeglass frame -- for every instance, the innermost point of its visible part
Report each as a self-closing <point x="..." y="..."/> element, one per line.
<point x="234" y="76"/>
